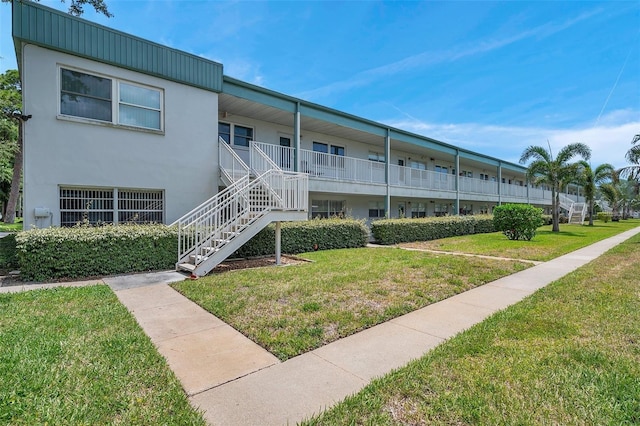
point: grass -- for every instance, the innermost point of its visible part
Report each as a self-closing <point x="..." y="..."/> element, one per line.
<point x="11" y="227"/>
<point x="544" y="246"/>
<point x="569" y="354"/>
<point x="294" y="309"/>
<point x="76" y="356"/>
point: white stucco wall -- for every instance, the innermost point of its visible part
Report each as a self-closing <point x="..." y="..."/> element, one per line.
<point x="182" y="160"/>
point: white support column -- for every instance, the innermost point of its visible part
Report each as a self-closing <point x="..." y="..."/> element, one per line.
<point x="296" y="139"/>
<point x="278" y="241"/>
<point x="387" y="161"/>
<point x="500" y="183"/>
<point x="457" y="203"/>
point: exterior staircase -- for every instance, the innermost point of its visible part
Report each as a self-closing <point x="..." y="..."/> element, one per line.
<point x="576" y="211"/>
<point x="253" y="198"/>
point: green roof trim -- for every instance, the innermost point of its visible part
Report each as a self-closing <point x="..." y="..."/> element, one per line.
<point x="52" y="29"/>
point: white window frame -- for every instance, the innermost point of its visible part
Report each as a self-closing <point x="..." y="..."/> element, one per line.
<point x="115" y="101"/>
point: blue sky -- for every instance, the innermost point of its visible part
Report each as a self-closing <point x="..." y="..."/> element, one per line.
<point x="493" y="77"/>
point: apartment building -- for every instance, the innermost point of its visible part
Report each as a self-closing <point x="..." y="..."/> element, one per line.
<point x="125" y="129"/>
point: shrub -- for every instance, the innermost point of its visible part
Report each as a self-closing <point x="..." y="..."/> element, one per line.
<point x="393" y="231"/>
<point x="87" y="251"/>
<point x="547" y="219"/>
<point x="604" y="216"/>
<point x="300" y="237"/>
<point x="517" y="221"/>
<point x="84" y="251"/>
<point x="8" y="253"/>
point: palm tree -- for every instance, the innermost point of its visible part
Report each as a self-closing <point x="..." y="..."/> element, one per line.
<point x="556" y="173"/>
<point x="611" y="193"/>
<point x="633" y="157"/>
<point x="590" y="179"/>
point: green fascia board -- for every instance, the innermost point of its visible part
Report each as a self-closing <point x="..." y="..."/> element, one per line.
<point x="513" y="167"/>
<point x="56" y="30"/>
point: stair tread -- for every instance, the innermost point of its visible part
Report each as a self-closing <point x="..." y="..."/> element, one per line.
<point x="187" y="266"/>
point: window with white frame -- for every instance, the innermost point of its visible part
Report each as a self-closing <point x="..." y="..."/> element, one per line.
<point x="240" y="135"/>
<point x="419" y="165"/>
<point x="376" y="209"/>
<point x="110" y="205"/>
<point x="327" y="208"/>
<point x="92" y="97"/>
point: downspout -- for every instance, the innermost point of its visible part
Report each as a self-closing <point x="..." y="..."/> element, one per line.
<point x="387" y="159"/>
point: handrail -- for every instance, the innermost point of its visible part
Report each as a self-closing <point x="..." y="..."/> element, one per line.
<point x="216" y="214"/>
<point x="260" y="161"/>
<point x="231" y="165"/>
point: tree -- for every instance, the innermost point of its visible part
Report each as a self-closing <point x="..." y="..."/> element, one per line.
<point x="76" y="8"/>
<point x="611" y="193"/>
<point x="590" y="179"/>
<point x="633" y="157"/>
<point x="555" y="172"/>
<point x="11" y="109"/>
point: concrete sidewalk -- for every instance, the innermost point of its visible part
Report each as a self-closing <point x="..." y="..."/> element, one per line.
<point x="291" y="391"/>
<point x="236" y="382"/>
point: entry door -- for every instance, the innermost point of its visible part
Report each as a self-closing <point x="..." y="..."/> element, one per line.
<point x="285" y="155"/>
<point x="402" y="209"/>
<point x="401" y="172"/>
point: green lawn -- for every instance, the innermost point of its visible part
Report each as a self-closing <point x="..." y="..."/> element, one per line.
<point x="11" y="227"/>
<point x="544" y="246"/>
<point x="294" y="309"/>
<point x="569" y="354"/>
<point x="76" y="356"/>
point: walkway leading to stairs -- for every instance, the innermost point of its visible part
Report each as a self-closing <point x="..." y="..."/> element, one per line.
<point x="236" y="382"/>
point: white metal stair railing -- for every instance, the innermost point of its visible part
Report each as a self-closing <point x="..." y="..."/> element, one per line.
<point x="218" y="227"/>
<point x="232" y="167"/>
<point x="576" y="211"/>
<point x="566" y="202"/>
<point x="213" y="218"/>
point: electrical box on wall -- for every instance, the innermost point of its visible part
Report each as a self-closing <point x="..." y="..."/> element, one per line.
<point x="40" y="212"/>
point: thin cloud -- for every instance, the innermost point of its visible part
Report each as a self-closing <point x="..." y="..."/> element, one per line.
<point x="609" y="141"/>
<point x="425" y="59"/>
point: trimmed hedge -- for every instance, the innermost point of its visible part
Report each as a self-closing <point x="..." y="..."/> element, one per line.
<point x="8" y="253"/>
<point x="300" y="237"/>
<point x="393" y="231"/>
<point x="84" y="251"/>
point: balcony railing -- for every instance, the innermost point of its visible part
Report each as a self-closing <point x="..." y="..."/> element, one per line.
<point x="416" y="178"/>
<point x="478" y="186"/>
<point x="336" y="167"/>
